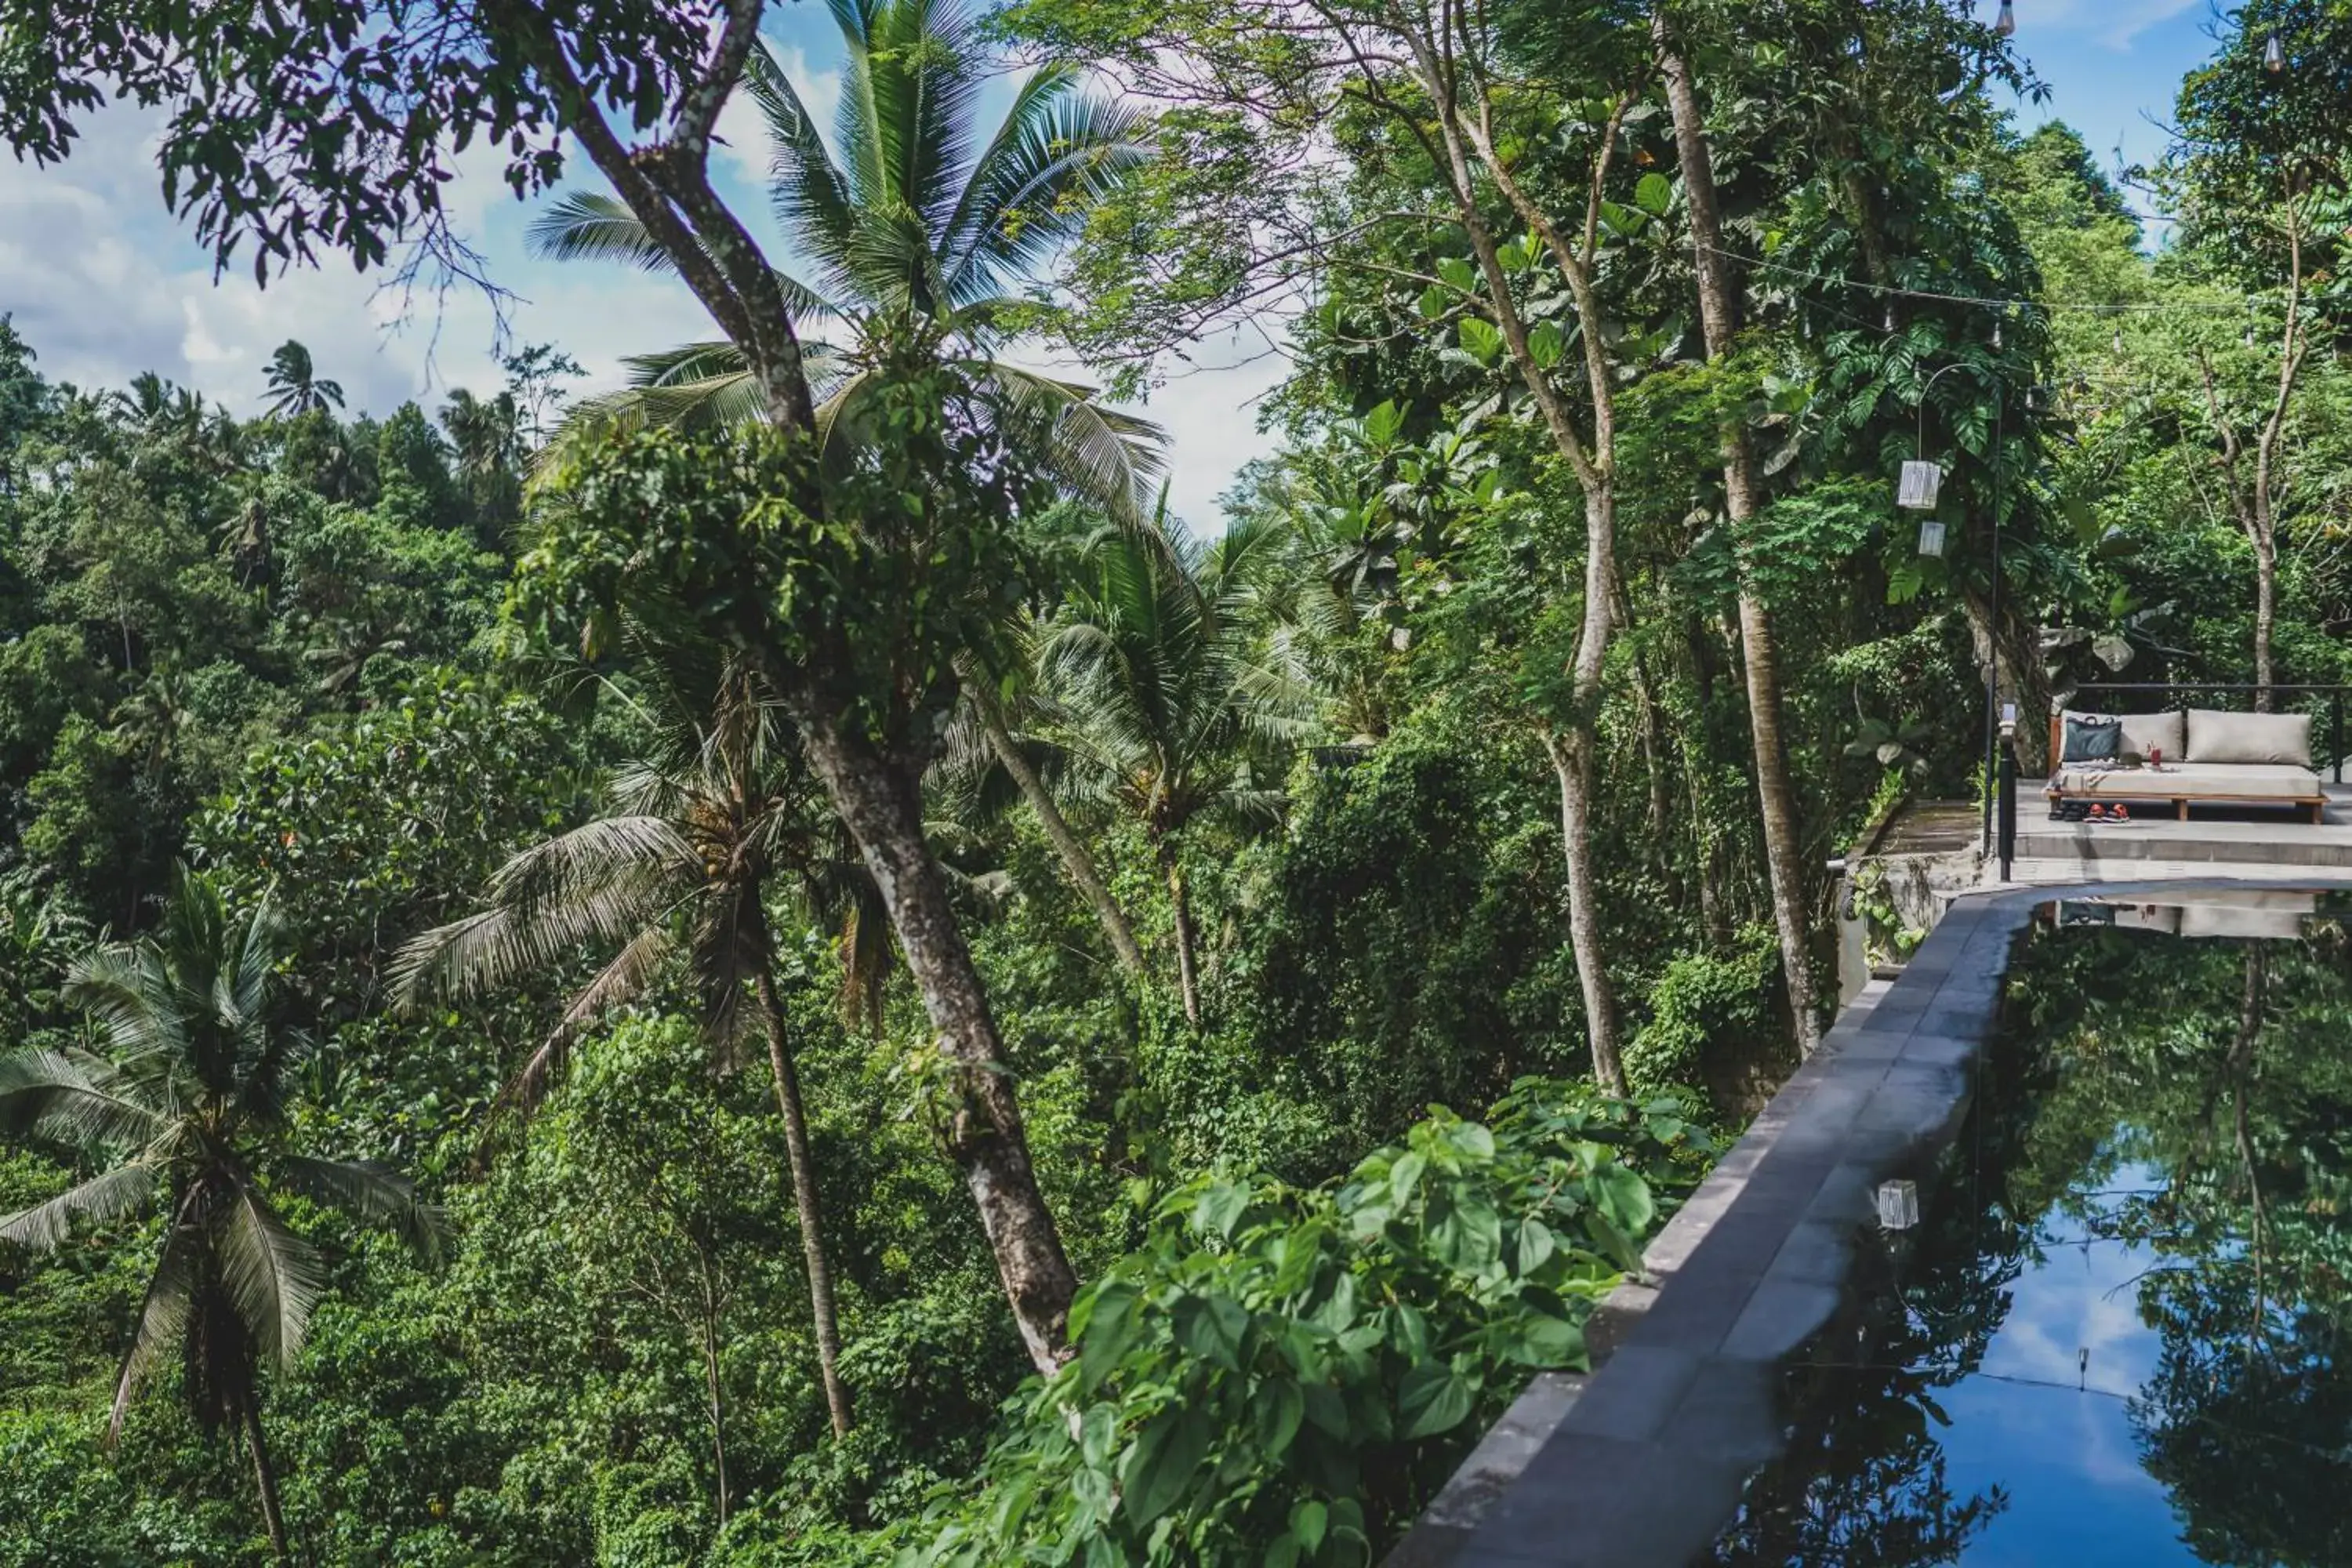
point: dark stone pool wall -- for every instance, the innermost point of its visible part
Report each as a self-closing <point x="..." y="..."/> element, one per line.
<point x="1640" y="1463"/>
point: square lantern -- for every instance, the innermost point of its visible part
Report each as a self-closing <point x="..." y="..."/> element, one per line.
<point x="1931" y="537"/>
<point x="1898" y="1204"/>
<point x="1920" y="484"/>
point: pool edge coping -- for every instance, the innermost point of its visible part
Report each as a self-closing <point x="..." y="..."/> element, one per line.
<point x="1641" y="1462"/>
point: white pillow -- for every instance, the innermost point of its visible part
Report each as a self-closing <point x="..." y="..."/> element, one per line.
<point x="2276" y="739"/>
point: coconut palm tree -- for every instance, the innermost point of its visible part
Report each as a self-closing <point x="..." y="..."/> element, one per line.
<point x="192" y="1082"/>
<point x="487" y="437"/>
<point x="691" y="844"/>
<point x="295" y="385"/>
<point x="922" y="229"/>
<point x="1173" y="695"/>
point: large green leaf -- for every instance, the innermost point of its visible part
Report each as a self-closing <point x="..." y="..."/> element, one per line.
<point x="1433" y="1398"/>
<point x="1482" y="340"/>
<point x="1211" y="1327"/>
<point x="1624" y="1197"/>
<point x="1109" y="1330"/>
<point x="1164" y="1462"/>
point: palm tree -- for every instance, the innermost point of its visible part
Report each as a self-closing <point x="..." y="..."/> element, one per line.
<point x="487" y="436"/>
<point x="983" y="744"/>
<point x="922" y="229"/>
<point x="295" y="386"/>
<point x="1172" y="693"/>
<point x="690" y="845"/>
<point x="193" y="1082"/>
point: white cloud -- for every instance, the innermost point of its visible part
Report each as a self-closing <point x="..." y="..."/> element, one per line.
<point x="743" y="131"/>
<point x="1209" y="405"/>
<point x="104" y="284"/>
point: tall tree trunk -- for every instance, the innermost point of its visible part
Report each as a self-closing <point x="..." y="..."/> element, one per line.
<point x="1653" y="741"/>
<point x="265" y="1480"/>
<point x="1076" y="861"/>
<point x="1574" y="745"/>
<point x="1186" y="974"/>
<point x="804" y="1197"/>
<point x="1571" y="760"/>
<point x="1743" y="495"/>
<point x="2263" y="515"/>
<point x="2265" y="613"/>
<point x="880" y="801"/>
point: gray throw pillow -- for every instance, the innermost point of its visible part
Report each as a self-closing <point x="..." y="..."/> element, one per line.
<point x="2092" y="739"/>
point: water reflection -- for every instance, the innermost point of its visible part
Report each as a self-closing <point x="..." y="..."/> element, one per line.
<point x="2118" y="1338"/>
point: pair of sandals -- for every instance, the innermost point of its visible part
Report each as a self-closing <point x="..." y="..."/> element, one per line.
<point x="2097" y="811"/>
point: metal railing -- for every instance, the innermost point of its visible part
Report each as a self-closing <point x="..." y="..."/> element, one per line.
<point x="2176" y="694"/>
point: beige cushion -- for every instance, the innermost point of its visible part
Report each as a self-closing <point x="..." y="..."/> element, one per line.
<point x="2190" y="781"/>
<point x="2204" y="920"/>
<point x="2143" y="732"/>
<point x="2280" y="738"/>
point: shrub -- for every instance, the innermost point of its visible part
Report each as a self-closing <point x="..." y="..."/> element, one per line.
<point x="1286" y="1376"/>
<point x="1706" y="1004"/>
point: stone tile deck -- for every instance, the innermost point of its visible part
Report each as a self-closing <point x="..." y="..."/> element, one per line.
<point x="2215" y="840"/>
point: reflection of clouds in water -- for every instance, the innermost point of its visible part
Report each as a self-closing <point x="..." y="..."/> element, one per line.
<point x="2080" y="1297"/>
<point x="2052" y="1447"/>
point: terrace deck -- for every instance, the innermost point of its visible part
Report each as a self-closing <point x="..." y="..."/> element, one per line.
<point x="2234" y="841"/>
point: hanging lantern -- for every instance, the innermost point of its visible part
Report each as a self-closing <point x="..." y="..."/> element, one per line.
<point x="1916" y="492"/>
<point x="1888" y="317"/>
<point x="1996" y="332"/>
<point x="1931" y="537"/>
<point x="2119" y="339"/>
<point x="2006" y="22"/>
<point x="2273" y="52"/>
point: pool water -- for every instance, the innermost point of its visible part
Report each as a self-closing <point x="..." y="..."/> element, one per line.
<point x="2118" y="1335"/>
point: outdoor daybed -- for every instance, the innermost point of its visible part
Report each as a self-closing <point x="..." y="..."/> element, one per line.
<point x="2209" y="758"/>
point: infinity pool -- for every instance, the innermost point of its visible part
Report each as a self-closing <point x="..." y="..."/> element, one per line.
<point x="2118" y="1335"/>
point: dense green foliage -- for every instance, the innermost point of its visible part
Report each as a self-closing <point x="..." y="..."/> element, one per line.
<point x="941" y="1012"/>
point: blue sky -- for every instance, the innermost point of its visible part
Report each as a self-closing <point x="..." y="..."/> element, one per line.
<point x="103" y="284"/>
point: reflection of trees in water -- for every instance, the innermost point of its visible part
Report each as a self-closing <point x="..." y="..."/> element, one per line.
<point x="2248" y="1419"/>
<point x="2219" y="1075"/>
<point x="1863" y="1481"/>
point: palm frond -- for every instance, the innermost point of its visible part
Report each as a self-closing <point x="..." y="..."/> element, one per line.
<point x="163" y="1324"/>
<point x="241" y="985"/>
<point x="75" y="1098"/>
<point x="273" y="1277"/>
<point x="1096" y="453"/>
<point x="372" y="1194"/>
<point x="868" y="952"/>
<point x="129" y="991"/>
<point x="597" y="885"/>
<point x="1056" y="151"/>
<point x="607" y="852"/>
<point x="811" y="198"/>
<point x="909" y="85"/>
<point x="118" y="1194"/>
<point x="696" y="386"/>
<point x="631" y="971"/>
<point x="589" y="225"/>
